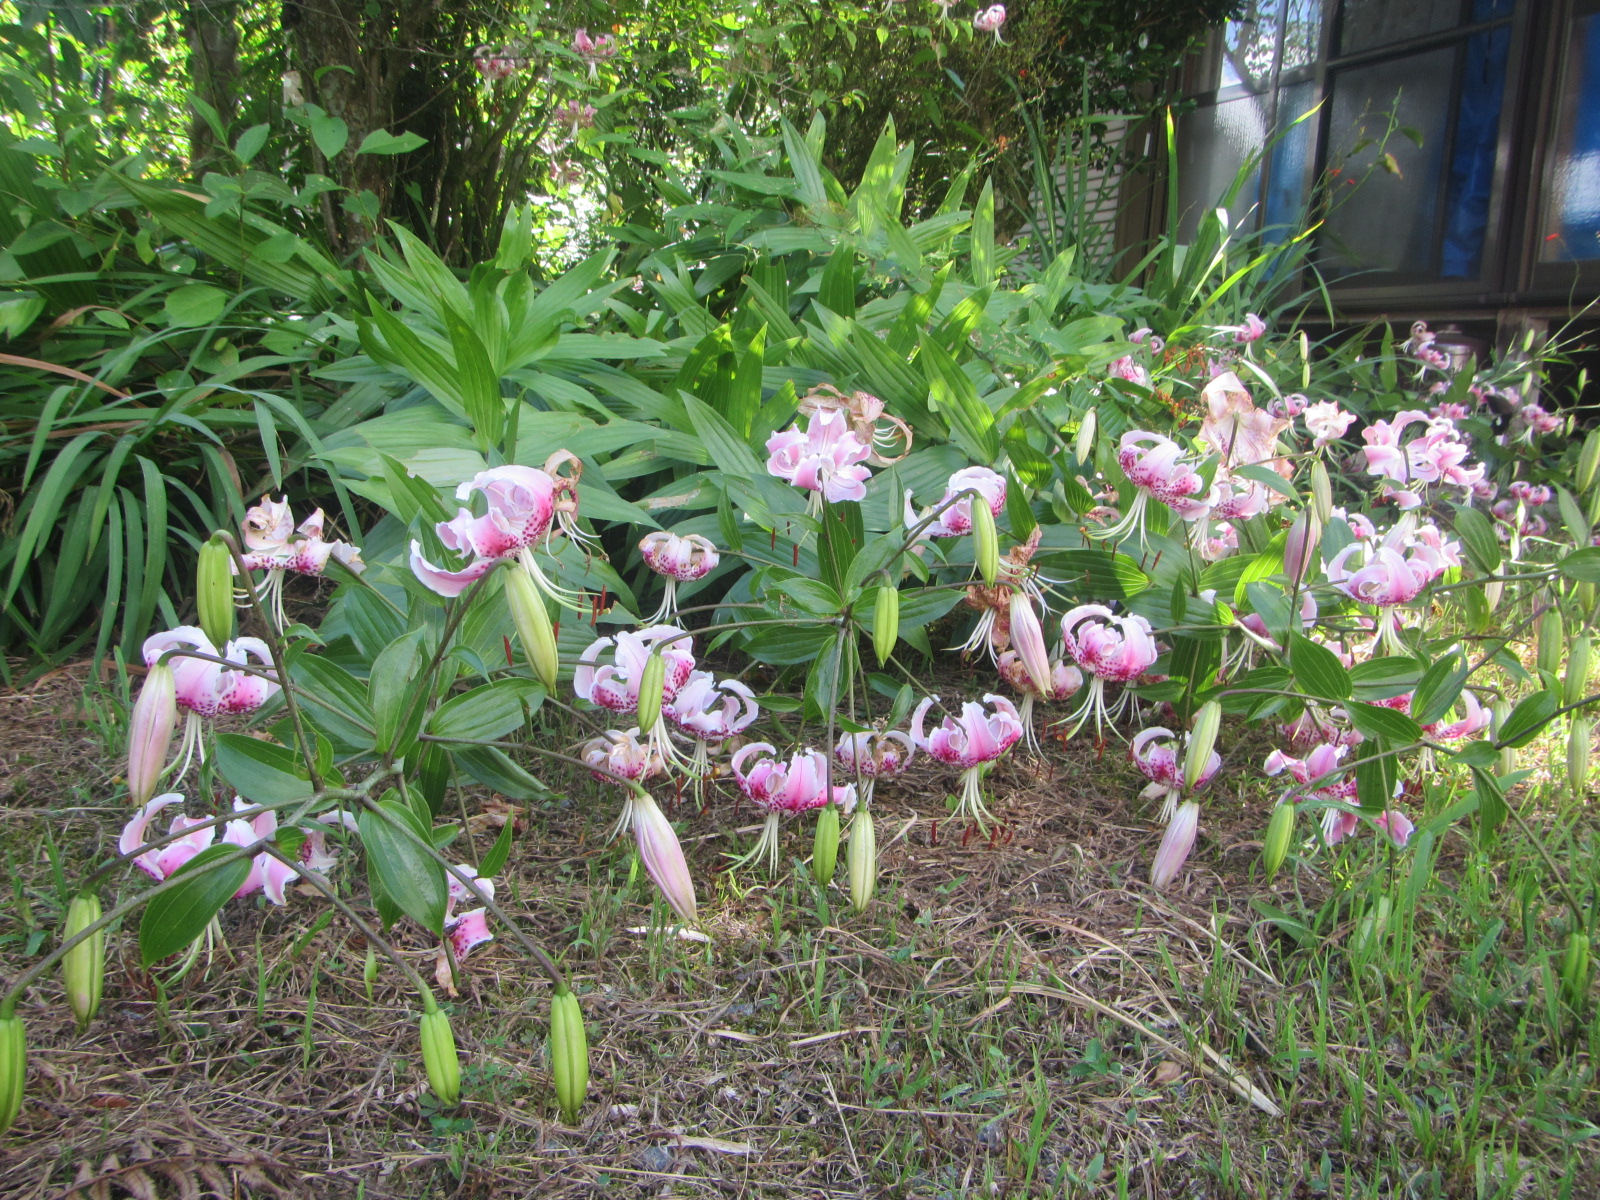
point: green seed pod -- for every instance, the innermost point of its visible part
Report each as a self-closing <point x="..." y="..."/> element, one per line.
<point x="1579" y="739"/>
<point x="1575" y="969"/>
<point x="885" y="622"/>
<point x="532" y="619"/>
<point x="1588" y="463"/>
<point x="1576" y="684"/>
<point x="83" y="968"/>
<point x="825" y="847"/>
<point x="1552" y="641"/>
<point x="213" y="591"/>
<point x="652" y="683"/>
<point x="985" y="541"/>
<point x="439" y="1056"/>
<point x="1508" y="754"/>
<point x="13" y="1068"/>
<point x="1321" y="492"/>
<point x="1275" y="846"/>
<point x="369" y="971"/>
<point x="569" y="1054"/>
<point x="1083" y="448"/>
<point x="861" y="860"/>
<point x="1371" y="928"/>
<point x="1202" y="741"/>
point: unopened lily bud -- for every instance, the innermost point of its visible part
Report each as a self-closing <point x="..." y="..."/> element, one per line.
<point x="1083" y="448"/>
<point x="1202" y="741"/>
<point x="1552" y="641"/>
<point x="985" y="541"/>
<point x="663" y="857"/>
<point x="1280" y="832"/>
<point x="1027" y="639"/>
<point x="369" y="971"/>
<point x="652" y="683"/>
<point x="1372" y="926"/>
<point x="1579" y="739"/>
<point x="1492" y="591"/>
<point x="1576" y="685"/>
<point x="155" y="716"/>
<point x="861" y="860"/>
<point x="825" y="847"/>
<point x="1588" y="463"/>
<point x="83" y="968"/>
<point x="534" y="630"/>
<point x="569" y="1054"/>
<point x="213" y="590"/>
<point x="1175" y="845"/>
<point x="13" y="1068"/>
<point x="1575" y="969"/>
<point x="1301" y="546"/>
<point x="1321" y="492"/>
<point x="1498" y="712"/>
<point x="439" y="1055"/>
<point x="885" y="622"/>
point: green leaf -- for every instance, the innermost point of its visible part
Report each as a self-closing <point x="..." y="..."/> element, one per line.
<point x="971" y="420"/>
<point x="1097" y="574"/>
<point x="1528" y="718"/>
<point x="784" y="646"/>
<point x="1317" y="669"/>
<point x="175" y="918"/>
<point x="1492" y="810"/>
<point x="262" y="772"/>
<point x="1376" y="777"/>
<point x="195" y="304"/>
<point x="1478" y="754"/>
<point x="389" y="687"/>
<point x="330" y="134"/>
<point x="1384" y="678"/>
<point x="494" y="769"/>
<point x="409" y="876"/>
<point x="1477" y="537"/>
<point x="493" y="861"/>
<point x="1582" y="565"/>
<point x="728" y="450"/>
<point x="251" y="141"/>
<point x="381" y="141"/>
<point x="1440" y="688"/>
<point x="1383" y="723"/>
<point x="983" y="264"/>
<point x="487" y="713"/>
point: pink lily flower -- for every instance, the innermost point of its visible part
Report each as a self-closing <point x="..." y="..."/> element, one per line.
<point x="315" y="854"/>
<point x="955" y="520"/>
<point x="525" y="506"/>
<point x="971" y="741"/>
<point x="1154" y="752"/>
<point x="577" y="116"/>
<point x="1125" y="368"/>
<point x="780" y="788"/>
<point x="989" y="20"/>
<point x="824" y="460"/>
<point x="615" y="685"/>
<point x="495" y="65"/>
<point x="1157" y="468"/>
<point x="1327" y="423"/>
<point x="274" y="546"/>
<point x="205" y="689"/>
<point x="1111" y="649"/>
<point x="874" y="756"/>
<point x="1063" y="682"/>
<point x="1337" y="823"/>
<point x="1471" y="718"/>
<point x="681" y="559"/>
<point x="593" y="50"/>
<point x="1176" y="844"/>
<point x="163" y="862"/>
<point x="621" y="753"/>
<point x="267" y="874"/>
<point x="662" y="855"/>
<point x="468" y="930"/>
<point x="1253" y="329"/>
<point x="710" y="711"/>
<point x="155" y="716"/>
<point x="888" y="437"/>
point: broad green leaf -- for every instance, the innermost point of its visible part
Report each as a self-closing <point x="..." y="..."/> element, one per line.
<point x="262" y="772"/>
<point x="381" y="141"/>
<point x="389" y="687"/>
<point x="176" y="917"/>
<point x="487" y="713"/>
<point x="1478" y="539"/>
<point x="1376" y="776"/>
<point x="1385" y="723"/>
<point x="1317" y="669"/>
<point x="494" y="769"/>
<point x="1439" y="689"/>
<point x="195" y="304"/>
<point x="1492" y="810"/>
<point x="408" y="874"/>
<point x="1582" y="565"/>
<point x="493" y="861"/>
<point x="330" y="134"/>
<point x="1528" y="718"/>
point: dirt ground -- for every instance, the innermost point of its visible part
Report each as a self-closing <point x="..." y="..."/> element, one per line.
<point x="1016" y="1015"/>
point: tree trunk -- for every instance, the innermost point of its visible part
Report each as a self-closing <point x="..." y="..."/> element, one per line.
<point x="213" y="36"/>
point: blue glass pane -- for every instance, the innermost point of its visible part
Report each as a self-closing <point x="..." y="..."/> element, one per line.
<point x="1572" y="224"/>
<point x="1472" y="157"/>
<point x="1487" y="10"/>
<point x="1286" y="182"/>
<point x="1369" y="23"/>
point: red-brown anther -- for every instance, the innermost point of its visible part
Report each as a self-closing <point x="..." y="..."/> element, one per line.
<point x="507" y="641"/>
<point x="933" y="834"/>
<point x="774" y="538"/>
<point x="966" y="835"/>
<point x="556" y="629"/>
<point x="605" y="598"/>
<point x="797" y="554"/>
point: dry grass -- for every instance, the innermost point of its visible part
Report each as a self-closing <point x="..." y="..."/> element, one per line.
<point x="1021" y="1016"/>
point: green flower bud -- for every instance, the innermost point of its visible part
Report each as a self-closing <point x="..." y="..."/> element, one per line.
<point x="1321" y="492"/>
<point x="213" y="591"/>
<point x="569" y="1054"/>
<point x="1508" y="754"/>
<point x="1579" y="739"/>
<point x="532" y="619"/>
<point x="885" y="622"/>
<point x="1202" y="741"/>
<point x="1588" y="463"/>
<point x="13" y="1068"/>
<point x="825" y="847"/>
<point x="1083" y="448"/>
<point x="439" y="1056"/>
<point x="1552" y="641"/>
<point x="1575" y="969"/>
<point x="369" y="971"/>
<point x="1280" y="832"/>
<point x="1374" y="924"/>
<point x="1576" y="685"/>
<point x="861" y="860"/>
<point x="985" y="541"/>
<point x="83" y="968"/>
<point x="652" y="683"/>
